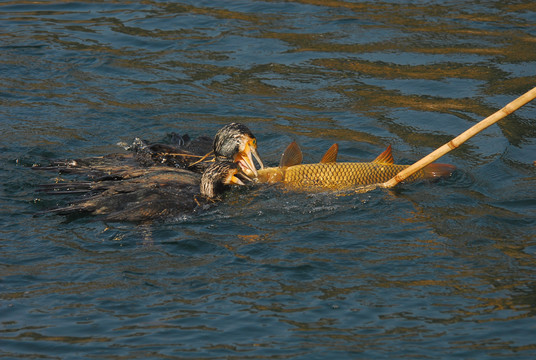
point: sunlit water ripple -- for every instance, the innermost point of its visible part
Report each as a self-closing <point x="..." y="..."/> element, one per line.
<point x="428" y="270"/>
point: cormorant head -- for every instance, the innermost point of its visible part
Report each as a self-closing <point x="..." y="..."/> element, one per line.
<point x="236" y="143"/>
<point x="220" y="174"/>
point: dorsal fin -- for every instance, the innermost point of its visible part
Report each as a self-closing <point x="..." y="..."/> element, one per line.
<point x="292" y="155"/>
<point x="385" y="157"/>
<point x="331" y="155"/>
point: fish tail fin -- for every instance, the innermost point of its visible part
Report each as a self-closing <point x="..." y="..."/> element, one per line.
<point x="433" y="171"/>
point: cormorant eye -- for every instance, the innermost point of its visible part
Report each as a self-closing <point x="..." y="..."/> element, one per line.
<point x="254" y="142"/>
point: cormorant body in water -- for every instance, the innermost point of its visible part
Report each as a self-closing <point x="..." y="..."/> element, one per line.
<point x="121" y="188"/>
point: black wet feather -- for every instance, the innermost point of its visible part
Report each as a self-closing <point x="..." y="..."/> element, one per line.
<point x="146" y="185"/>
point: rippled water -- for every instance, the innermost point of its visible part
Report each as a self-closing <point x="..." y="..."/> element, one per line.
<point x="442" y="270"/>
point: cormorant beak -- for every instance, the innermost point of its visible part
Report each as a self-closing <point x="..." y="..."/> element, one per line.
<point x="242" y="178"/>
<point x="236" y="181"/>
<point x="257" y="156"/>
<point x="245" y="159"/>
<point x="237" y="177"/>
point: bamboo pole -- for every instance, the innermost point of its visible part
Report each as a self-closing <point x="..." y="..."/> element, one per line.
<point x="463" y="137"/>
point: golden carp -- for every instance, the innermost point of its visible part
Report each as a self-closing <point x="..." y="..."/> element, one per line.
<point x="330" y="174"/>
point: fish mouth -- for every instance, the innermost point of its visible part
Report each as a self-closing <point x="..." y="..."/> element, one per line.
<point x="244" y="159"/>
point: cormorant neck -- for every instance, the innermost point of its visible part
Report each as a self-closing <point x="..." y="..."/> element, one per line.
<point x="213" y="179"/>
<point x="210" y="187"/>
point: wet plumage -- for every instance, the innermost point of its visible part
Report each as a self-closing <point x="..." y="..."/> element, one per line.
<point x="157" y="194"/>
<point x="178" y="152"/>
<point x="122" y="189"/>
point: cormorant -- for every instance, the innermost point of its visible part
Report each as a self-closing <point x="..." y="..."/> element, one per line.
<point x="122" y="189"/>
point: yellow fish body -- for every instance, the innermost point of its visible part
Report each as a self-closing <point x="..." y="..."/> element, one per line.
<point x="330" y="174"/>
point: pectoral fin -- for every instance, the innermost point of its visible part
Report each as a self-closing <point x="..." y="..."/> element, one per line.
<point x="385" y="157"/>
<point x="331" y="155"/>
<point x="292" y="156"/>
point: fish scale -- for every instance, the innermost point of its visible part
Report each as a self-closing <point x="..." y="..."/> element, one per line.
<point x="330" y="174"/>
<point x="337" y="175"/>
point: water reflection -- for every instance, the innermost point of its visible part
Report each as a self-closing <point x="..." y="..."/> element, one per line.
<point x="427" y="270"/>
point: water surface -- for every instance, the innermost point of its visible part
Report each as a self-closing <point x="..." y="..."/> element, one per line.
<point x="428" y="270"/>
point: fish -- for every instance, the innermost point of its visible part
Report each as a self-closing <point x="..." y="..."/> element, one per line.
<point x="330" y="174"/>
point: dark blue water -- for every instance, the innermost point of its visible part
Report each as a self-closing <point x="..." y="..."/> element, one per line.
<point x="428" y="270"/>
